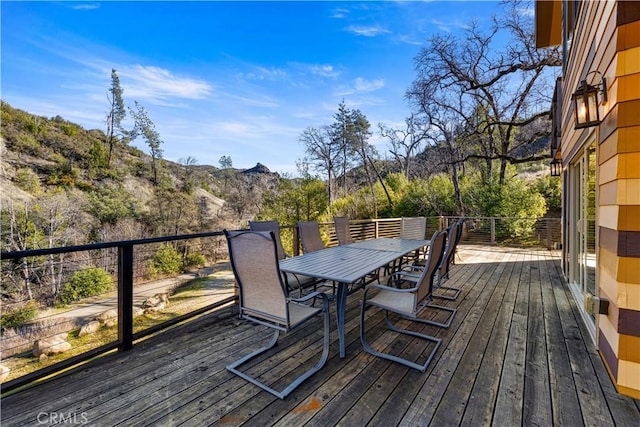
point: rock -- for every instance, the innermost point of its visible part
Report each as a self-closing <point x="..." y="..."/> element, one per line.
<point x="110" y="323"/>
<point x="89" y="328"/>
<point x="156" y="300"/>
<point x="4" y="372"/>
<point x="51" y="345"/>
<point x="156" y="308"/>
<point x="106" y="315"/>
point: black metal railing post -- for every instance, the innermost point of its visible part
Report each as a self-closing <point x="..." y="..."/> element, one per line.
<point x="125" y="297"/>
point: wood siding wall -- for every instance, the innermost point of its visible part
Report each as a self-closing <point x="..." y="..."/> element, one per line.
<point x="607" y="39"/>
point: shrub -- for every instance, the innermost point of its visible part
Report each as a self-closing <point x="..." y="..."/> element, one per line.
<point x="85" y="283"/>
<point x="18" y="316"/>
<point x="194" y="260"/>
<point x="167" y="260"/>
<point x="28" y="180"/>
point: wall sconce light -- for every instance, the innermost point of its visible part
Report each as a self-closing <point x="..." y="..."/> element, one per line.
<point x="586" y="103"/>
<point x="556" y="167"/>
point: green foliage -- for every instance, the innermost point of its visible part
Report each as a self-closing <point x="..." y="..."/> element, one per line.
<point x="551" y="189"/>
<point x="27" y="180"/>
<point x="194" y="260"/>
<point x="296" y="200"/>
<point x="515" y="199"/>
<point x="396" y="182"/>
<point x="88" y="282"/>
<point x="112" y="203"/>
<point x="70" y="129"/>
<point x="28" y="144"/>
<point x="166" y="260"/>
<point x="18" y="316"/>
<point x="64" y="175"/>
<point x="97" y="156"/>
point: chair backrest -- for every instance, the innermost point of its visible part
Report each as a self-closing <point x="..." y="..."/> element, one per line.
<point x="450" y="250"/>
<point x="310" y="236"/>
<point x="270" y="226"/>
<point x="413" y="227"/>
<point x="426" y="281"/>
<point x="254" y="260"/>
<point x="342" y="230"/>
<point x="460" y="223"/>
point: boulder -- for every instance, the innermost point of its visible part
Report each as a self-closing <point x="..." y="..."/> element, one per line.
<point x="89" y="328"/>
<point x="51" y="345"/>
<point x="110" y="323"/>
<point x="106" y="315"/>
<point x="156" y="300"/>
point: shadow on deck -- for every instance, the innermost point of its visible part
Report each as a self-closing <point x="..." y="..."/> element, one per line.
<point x="517" y="353"/>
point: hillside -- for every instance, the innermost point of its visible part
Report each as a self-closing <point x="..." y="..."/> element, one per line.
<point x="41" y="157"/>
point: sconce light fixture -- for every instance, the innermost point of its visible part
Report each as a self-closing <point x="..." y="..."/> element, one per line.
<point x="556" y="167"/>
<point x="586" y="103"/>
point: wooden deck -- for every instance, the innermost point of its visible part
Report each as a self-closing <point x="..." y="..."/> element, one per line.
<point x="517" y="353"/>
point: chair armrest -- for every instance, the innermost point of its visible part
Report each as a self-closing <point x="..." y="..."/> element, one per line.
<point x="402" y="276"/>
<point x="310" y="296"/>
<point x="389" y="288"/>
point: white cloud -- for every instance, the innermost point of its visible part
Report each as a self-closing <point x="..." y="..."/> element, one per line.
<point x="367" y="31"/>
<point x="160" y="85"/>
<point x="449" y="26"/>
<point x="339" y="13"/>
<point x="324" y="70"/>
<point x="360" y="86"/>
<point x="84" y="6"/>
<point x="263" y="73"/>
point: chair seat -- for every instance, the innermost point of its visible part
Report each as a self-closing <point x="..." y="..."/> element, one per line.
<point x="298" y="313"/>
<point x="395" y="301"/>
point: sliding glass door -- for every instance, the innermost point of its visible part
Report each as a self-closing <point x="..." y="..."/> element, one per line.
<point x="582" y="228"/>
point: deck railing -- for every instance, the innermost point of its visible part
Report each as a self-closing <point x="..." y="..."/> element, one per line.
<point x="128" y="263"/>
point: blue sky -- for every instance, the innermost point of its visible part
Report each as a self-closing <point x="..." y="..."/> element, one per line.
<point x="240" y="79"/>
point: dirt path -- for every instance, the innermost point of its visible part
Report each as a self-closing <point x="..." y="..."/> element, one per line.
<point x="220" y="285"/>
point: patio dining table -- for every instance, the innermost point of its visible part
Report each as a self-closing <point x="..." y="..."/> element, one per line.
<point x="347" y="264"/>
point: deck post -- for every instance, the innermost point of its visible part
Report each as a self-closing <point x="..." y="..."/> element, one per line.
<point x="493" y="230"/>
<point x="125" y="297"/>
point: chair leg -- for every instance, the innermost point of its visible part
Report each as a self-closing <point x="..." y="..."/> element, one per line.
<point x="295" y="383"/>
<point x="367" y="347"/>
<point x="445" y="325"/>
<point x="456" y="292"/>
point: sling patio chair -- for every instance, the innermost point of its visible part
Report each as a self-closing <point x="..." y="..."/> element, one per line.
<point x="449" y="293"/>
<point x="409" y="304"/>
<point x="290" y="279"/>
<point x="444" y="292"/>
<point x="341" y="224"/>
<point x="264" y="299"/>
<point x="312" y="241"/>
<point x="413" y="228"/>
<point x="343" y="234"/>
<point x="310" y="236"/>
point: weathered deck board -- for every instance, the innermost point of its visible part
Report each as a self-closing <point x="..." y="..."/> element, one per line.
<point x="516" y="353"/>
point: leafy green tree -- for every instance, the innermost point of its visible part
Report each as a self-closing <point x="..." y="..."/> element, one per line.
<point x="226" y="164"/>
<point x="551" y="189"/>
<point x="111" y="203"/>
